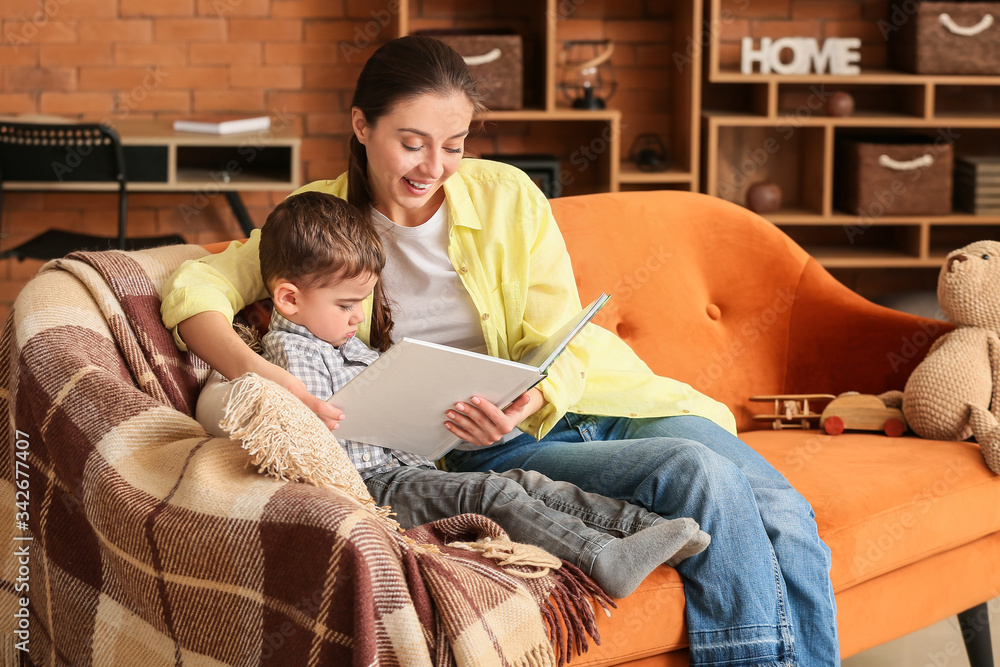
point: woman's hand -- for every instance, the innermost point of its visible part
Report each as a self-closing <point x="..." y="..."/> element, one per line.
<point x="480" y="422"/>
<point x="210" y="335"/>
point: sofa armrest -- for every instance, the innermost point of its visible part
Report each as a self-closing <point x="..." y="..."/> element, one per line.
<point x="838" y="341"/>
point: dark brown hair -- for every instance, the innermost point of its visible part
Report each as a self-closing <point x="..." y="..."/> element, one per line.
<point x="400" y="70"/>
<point x="313" y="240"/>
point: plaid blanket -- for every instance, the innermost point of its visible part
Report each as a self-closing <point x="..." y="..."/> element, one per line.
<point x="140" y="540"/>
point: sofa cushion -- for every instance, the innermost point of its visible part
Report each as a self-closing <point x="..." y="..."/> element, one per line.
<point x="896" y="500"/>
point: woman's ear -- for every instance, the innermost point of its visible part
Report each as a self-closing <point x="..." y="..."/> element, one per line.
<point x="286" y="298"/>
<point x="359" y="124"/>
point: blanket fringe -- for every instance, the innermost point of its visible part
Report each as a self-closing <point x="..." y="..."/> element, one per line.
<point x="540" y="656"/>
<point x="513" y="556"/>
<point x="569" y="613"/>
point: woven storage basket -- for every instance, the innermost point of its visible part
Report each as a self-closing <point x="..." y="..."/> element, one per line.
<point x="948" y="38"/>
<point x="497" y="63"/>
<point x="902" y="175"/>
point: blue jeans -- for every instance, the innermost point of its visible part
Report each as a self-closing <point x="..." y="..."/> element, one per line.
<point x="761" y="593"/>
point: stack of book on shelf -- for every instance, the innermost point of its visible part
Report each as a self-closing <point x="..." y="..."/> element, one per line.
<point x="977" y="184"/>
<point x="223" y="124"/>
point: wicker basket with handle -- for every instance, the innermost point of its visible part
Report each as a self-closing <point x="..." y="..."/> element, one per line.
<point x="948" y="38"/>
<point x="900" y="175"/>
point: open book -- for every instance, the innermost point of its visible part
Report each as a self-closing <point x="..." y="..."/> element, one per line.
<point x="400" y="400"/>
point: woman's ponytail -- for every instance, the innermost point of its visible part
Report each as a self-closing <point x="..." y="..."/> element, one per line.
<point x="380" y="336"/>
<point x="358" y="193"/>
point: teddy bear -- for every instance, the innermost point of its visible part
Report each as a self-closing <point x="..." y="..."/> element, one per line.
<point x="954" y="392"/>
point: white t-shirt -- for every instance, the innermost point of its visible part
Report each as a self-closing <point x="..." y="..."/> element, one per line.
<point x="428" y="299"/>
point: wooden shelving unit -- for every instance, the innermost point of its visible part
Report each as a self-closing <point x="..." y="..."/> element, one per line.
<point x="775" y="127"/>
<point x="592" y="146"/>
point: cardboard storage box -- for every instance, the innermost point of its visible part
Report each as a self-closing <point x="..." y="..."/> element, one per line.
<point x="496" y="61"/>
<point x="899" y="175"/>
<point x="948" y="38"/>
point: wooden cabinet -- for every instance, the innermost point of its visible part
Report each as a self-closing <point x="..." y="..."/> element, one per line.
<point x="770" y="127"/>
<point x="657" y="66"/>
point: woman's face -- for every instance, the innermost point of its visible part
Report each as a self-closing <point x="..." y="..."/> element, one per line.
<point x="411" y="153"/>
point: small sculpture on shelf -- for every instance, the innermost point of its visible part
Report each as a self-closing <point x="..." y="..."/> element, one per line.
<point x="764" y="197"/>
<point x="840" y="104"/>
<point x="838" y="54"/>
<point x="648" y="153"/>
<point x="587" y="80"/>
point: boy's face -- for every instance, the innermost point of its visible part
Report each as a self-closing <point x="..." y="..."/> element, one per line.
<point x="331" y="313"/>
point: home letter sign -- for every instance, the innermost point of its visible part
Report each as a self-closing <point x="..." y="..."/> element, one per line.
<point x="840" y="53"/>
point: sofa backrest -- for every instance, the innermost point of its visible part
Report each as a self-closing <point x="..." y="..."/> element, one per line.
<point x="701" y="289"/>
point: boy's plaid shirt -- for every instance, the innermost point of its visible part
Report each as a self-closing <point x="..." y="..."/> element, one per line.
<point x="325" y="369"/>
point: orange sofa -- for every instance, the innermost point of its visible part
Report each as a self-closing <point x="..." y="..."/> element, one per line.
<point x="710" y="293"/>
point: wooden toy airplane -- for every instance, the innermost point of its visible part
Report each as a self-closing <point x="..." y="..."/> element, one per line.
<point x="792" y="410"/>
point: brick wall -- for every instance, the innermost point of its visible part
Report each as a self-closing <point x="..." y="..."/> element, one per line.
<point x="167" y="59"/>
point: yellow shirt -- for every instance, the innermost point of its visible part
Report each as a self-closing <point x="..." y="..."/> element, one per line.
<point x="508" y="251"/>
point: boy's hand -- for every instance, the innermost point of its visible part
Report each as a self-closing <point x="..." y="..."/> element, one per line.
<point x="327" y="413"/>
<point x="482" y="423"/>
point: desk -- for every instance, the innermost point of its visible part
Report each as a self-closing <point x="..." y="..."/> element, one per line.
<point x="160" y="159"/>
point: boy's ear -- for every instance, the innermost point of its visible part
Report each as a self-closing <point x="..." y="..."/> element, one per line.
<point x="286" y="298"/>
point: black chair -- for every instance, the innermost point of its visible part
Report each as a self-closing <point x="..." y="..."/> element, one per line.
<point x="67" y="153"/>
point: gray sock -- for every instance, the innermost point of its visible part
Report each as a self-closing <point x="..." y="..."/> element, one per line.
<point x="622" y="565"/>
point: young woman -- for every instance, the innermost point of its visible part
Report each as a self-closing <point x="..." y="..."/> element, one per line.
<point x="475" y="260"/>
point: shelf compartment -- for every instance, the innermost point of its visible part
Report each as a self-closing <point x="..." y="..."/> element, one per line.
<point x="791" y="157"/>
<point x="737" y="100"/>
<point x="587" y="149"/>
<point x="967" y="101"/>
<point x="245" y="164"/>
<point x="809" y="100"/>
<point x="655" y="65"/>
<point x="857" y="245"/>
<point x="945" y="238"/>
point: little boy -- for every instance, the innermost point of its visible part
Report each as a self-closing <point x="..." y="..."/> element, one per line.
<point x="320" y="259"/>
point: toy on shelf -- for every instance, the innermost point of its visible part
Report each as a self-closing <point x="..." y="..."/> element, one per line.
<point x="791" y="410"/>
<point x="864" y="412"/>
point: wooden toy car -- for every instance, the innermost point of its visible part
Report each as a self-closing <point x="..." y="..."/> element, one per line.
<point x="864" y="412"/>
<point x="792" y="410"/>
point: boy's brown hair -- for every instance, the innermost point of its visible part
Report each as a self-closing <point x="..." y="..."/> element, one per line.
<point x="313" y="240"/>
